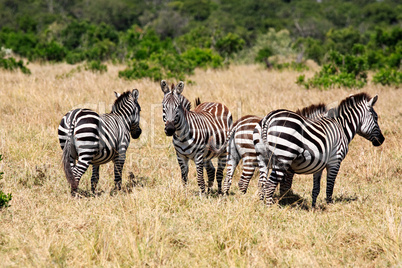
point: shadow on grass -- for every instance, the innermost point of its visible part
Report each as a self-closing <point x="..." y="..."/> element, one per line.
<point x="293" y="200"/>
<point x="345" y="198"/>
<point x="127" y="187"/>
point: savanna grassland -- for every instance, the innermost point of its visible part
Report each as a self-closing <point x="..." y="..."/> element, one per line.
<point x="154" y="221"/>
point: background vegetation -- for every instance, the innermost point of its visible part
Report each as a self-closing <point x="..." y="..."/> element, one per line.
<point x="171" y="38"/>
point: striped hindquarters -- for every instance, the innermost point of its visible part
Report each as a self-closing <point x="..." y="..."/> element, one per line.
<point x="243" y="137"/>
<point x="81" y="126"/>
<point x="208" y="120"/>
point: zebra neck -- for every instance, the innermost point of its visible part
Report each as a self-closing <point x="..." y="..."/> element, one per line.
<point x="183" y="128"/>
<point x="349" y="121"/>
<point x="125" y="119"/>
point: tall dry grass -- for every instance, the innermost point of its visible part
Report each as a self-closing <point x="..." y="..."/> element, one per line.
<point x="158" y="222"/>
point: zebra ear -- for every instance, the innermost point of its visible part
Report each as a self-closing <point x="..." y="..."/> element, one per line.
<point x="135" y="93"/>
<point x="117" y="94"/>
<point x="164" y="87"/>
<point x="180" y="87"/>
<point x="373" y="101"/>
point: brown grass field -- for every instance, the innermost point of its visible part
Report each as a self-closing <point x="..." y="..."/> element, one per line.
<point x="154" y="221"/>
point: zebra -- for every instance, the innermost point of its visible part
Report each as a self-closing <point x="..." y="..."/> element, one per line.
<point x="240" y="146"/>
<point x="93" y="139"/>
<point x="191" y="131"/>
<point x="290" y="143"/>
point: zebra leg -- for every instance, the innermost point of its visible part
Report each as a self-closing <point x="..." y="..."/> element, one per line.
<point x="219" y="172"/>
<point x="183" y="163"/>
<point x="209" y="167"/>
<point x="78" y="170"/>
<point x="286" y="184"/>
<point x="263" y="166"/>
<point x="199" y="164"/>
<point x="316" y="187"/>
<point x="95" y="177"/>
<point x="332" y="172"/>
<point x="233" y="161"/>
<point x="270" y="186"/>
<point x="247" y="173"/>
<point x="118" y="168"/>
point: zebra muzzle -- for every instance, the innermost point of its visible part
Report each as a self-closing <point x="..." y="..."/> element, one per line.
<point x="135" y="134"/>
<point x="378" y="140"/>
<point x="169" y="128"/>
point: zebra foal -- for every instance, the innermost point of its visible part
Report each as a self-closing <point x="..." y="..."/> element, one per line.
<point x="93" y="139"/>
<point x="191" y="131"/>
<point x="290" y="143"/>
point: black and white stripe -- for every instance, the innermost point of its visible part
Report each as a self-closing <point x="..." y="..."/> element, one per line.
<point x="240" y="146"/>
<point x="191" y="131"/>
<point x="93" y="139"/>
<point x="290" y="143"/>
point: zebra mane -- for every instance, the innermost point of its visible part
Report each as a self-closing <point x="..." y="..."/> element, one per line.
<point x="197" y="102"/>
<point x="120" y="99"/>
<point x="363" y="96"/>
<point x="312" y="111"/>
<point x="185" y="102"/>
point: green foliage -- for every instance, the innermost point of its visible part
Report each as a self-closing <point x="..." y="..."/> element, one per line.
<point x="11" y="64"/>
<point x="388" y="77"/>
<point x="174" y="37"/>
<point x="342" y="71"/>
<point x="312" y="48"/>
<point x="299" y="67"/>
<point x="342" y="40"/>
<point x="202" y="57"/>
<point x="263" y="54"/>
<point x="229" y="44"/>
<point x="95" y="66"/>
<point x="4" y="198"/>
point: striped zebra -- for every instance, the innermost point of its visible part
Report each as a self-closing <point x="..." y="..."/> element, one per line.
<point x="93" y="139"/>
<point x="290" y="143"/>
<point x="240" y="146"/>
<point x="191" y="131"/>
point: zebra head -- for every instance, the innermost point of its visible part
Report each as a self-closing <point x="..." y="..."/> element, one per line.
<point x="369" y="128"/>
<point x="127" y="105"/>
<point x="172" y="108"/>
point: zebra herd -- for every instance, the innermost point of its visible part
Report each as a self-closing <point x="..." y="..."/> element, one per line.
<point x="303" y="142"/>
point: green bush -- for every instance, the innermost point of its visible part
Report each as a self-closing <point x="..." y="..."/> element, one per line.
<point x="388" y="77"/>
<point x="299" y="67"/>
<point x="342" y="71"/>
<point x="4" y="198"/>
<point x="202" y="57"/>
<point x="11" y="64"/>
<point x="95" y="66"/>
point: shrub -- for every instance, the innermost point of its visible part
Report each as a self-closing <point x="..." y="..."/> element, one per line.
<point x="4" y="198"/>
<point x="388" y="77"/>
<point x="95" y="66"/>
<point x="202" y="57"/>
<point x="343" y="71"/>
<point x="11" y="64"/>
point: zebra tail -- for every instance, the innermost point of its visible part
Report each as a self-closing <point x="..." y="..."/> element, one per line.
<point x="66" y="161"/>
<point x="263" y="144"/>
<point x="211" y="146"/>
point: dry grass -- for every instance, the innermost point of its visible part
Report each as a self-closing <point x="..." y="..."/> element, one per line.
<point x="157" y="222"/>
